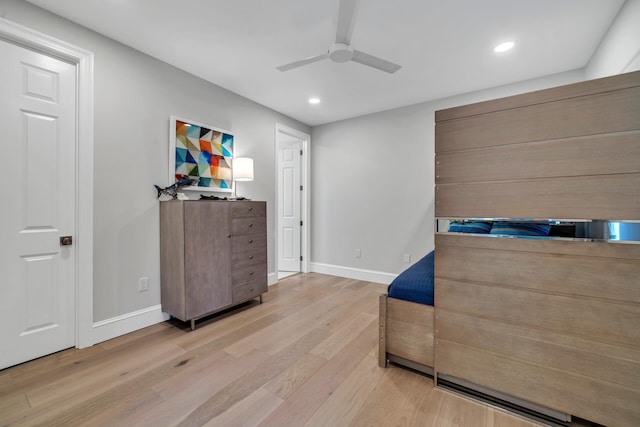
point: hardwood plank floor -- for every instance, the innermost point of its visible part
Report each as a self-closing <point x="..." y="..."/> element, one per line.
<point x="306" y="357"/>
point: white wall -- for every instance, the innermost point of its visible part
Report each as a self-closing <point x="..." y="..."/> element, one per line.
<point x="372" y="176"/>
<point x="134" y="96"/>
<point x="373" y="185"/>
<point x="619" y="51"/>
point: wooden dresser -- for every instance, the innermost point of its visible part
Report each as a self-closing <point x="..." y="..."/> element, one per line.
<point x="213" y="255"/>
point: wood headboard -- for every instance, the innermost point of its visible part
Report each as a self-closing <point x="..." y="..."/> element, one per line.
<point x="569" y="152"/>
<point x="551" y="322"/>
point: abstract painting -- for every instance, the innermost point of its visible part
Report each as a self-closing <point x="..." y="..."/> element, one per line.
<point x="201" y="152"/>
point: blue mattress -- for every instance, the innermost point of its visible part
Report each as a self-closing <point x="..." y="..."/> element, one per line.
<point x="415" y="284"/>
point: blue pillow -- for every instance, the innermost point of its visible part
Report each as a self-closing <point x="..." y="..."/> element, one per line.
<point x="520" y="229"/>
<point x="478" y="227"/>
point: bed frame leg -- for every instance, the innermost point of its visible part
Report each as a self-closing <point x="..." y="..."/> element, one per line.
<point x="382" y="344"/>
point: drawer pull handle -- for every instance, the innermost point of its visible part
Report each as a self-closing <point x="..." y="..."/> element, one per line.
<point x="228" y="235"/>
<point x="251" y="273"/>
<point x="250" y="240"/>
<point x="250" y="289"/>
<point x="250" y="209"/>
<point x="250" y="256"/>
<point x="250" y="225"/>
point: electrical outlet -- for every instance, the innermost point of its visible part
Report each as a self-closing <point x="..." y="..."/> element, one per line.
<point x="358" y="253"/>
<point x="143" y="284"/>
<point x="407" y="258"/>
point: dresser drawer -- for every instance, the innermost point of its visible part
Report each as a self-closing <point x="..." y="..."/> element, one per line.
<point x="249" y="225"/>
<point x="248" y="290"/>
<point x="240" y="209"/>
<point x="244" y="259"/>
<point x="249" y="273"/>
<point x="248" y="242"/>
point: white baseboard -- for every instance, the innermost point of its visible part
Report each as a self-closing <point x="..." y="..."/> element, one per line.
<point x="111" y="328"/>
<point x="107" y="329"/>
<point x="353" y="273"/>
<point x="272" y="279"/>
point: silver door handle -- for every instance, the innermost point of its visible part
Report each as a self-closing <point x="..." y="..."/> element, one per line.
<point x="66" y="240"/>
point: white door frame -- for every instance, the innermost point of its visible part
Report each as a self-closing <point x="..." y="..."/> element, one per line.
<point x="83" y="236"/>
<point x="306" y="191"/>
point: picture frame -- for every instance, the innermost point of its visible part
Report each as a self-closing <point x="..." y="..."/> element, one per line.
<point x="201" y="152"/>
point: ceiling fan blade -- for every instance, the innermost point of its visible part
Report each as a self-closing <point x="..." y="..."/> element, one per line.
<point x="346" y="18"/>
<point x="302" y="62"/>
<point x="375" y="62"/>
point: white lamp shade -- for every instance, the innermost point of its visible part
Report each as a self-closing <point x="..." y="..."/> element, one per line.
<point x="243" y="169"/>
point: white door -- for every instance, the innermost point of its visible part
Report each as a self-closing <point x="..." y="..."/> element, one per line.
<point x="37" y="141"/>
<point x="289" y="153"/>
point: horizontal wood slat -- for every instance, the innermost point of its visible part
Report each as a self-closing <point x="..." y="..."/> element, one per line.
<point x="591" y="155"/>
<point x="546" y="348"/>
<point x="595" y="400"/>
<point x="606" y="278"/>
<point x="600" y="320"/>
<point x="406" y="322"/>
<point x="615" y="197"/>
<point x="615" y="111"/>
<point x="560" y="247"/>
<point x="574" y="90"/>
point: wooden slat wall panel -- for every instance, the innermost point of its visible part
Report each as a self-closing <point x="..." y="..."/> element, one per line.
<point x="560" y="247"/>
<point x="405" y="322"/>
<point x="596" y="400"/>
<point x="594" y="276"/>
<point x="575" y="90"/>
<point x="550" y="349"/>
<point x="601" y="320"/>
<point x="615" y="197"/>
<point x="591" y="155"/>
<point x="595" y="114"/>
<point x="553" y="322"/>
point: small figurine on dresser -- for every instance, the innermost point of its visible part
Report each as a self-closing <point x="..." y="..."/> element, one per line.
<point x="175" y="189"/>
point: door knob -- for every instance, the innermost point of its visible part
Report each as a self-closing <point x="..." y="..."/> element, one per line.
<point x="66" y="240"/>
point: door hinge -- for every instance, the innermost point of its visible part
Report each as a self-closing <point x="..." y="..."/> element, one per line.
<point x="300" y="223"/>
<point x="301" y="188"/>
<point x="301" y="152"/>
<point x="300" y="257"/>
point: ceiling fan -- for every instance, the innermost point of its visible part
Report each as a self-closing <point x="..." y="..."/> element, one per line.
<point x="341" y="50"/>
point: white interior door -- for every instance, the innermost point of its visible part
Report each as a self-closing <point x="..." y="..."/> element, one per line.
<point x="37" y="281"/>
<point x="289" y="204"/>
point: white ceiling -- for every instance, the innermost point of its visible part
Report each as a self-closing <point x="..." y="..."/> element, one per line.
<point x="445" y="47"/>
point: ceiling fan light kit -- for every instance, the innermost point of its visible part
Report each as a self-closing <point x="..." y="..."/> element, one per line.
<point x="341" y="51"/>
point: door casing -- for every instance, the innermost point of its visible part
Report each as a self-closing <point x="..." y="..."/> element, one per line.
<point x="286" y="131"/>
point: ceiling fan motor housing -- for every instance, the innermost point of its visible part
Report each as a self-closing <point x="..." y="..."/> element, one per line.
<point x="340" y="52"/>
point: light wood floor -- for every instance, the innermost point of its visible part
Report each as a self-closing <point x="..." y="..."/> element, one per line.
<point x="306" y="357"/>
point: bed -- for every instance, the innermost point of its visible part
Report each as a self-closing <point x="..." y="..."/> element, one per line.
<point x="406" y="318"/>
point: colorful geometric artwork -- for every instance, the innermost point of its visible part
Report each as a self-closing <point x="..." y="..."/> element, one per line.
<point x="202" y="152"/>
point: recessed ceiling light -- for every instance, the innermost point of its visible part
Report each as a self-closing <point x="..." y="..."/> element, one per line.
<point x="503" y="47"/>
<point x="314" y="100"/>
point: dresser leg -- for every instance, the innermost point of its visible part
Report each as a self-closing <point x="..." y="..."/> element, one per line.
<point x="193" y="324"/>
<point x="260" y="298"/>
